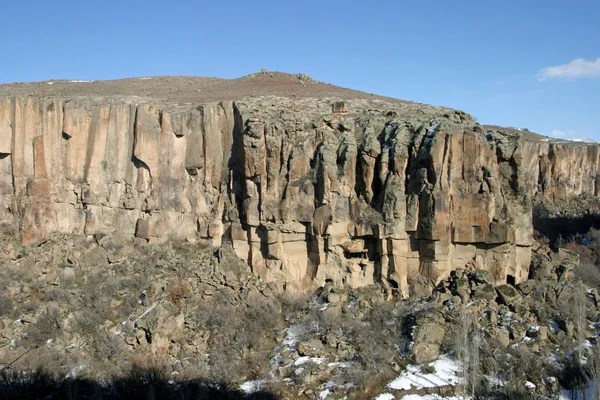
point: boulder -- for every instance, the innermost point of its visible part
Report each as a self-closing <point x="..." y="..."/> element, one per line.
<point x="497" y="337"/>
<point x="484" y="291"/>
<point x="428" y="335"/>
<point x="528" y="286"/>
<point x="311" y="348"/>
<point x="420" y="286"/>
<point x="481" y="277"/>
<point x="517" y="331"/>
<point x="508" y="295"/>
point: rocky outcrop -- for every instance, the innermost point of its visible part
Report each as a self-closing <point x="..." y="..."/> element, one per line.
<point x="306" y="191"/>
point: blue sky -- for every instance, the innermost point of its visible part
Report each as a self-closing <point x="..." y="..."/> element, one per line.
<point x="489" y="58"/>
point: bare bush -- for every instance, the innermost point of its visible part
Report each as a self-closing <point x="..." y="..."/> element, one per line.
<point x="149" y="370"/>
<point x="589" y="274"/>
<point x="6" y="306"/>
<point x="513" y="368"/>
<point x="47" y="327"/>
<point x="372" y="337"/>
<point x="107" y="346"/>
<point x="177" y="291"/>
<point x="147" y="378"/>
<point x="465" y="341"/>
<point x="240" y="337"/>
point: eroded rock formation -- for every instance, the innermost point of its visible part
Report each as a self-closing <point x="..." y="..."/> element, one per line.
<point x="306" y="191"/>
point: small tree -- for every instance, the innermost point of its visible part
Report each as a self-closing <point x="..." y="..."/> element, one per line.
<point x="580" y="320"/>
<point x="466" y="344"/>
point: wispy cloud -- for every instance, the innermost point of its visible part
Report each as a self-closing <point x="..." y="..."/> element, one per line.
<point x="562" y="134"/>
<point x="570" y="135"/>
<point x="578" y="68"/>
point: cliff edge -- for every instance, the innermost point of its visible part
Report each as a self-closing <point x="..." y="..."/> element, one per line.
<point x="306" y="182"/>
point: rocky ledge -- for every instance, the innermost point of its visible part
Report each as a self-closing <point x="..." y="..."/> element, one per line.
<point x="352" y="189"/>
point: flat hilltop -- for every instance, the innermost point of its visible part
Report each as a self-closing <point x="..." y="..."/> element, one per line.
<point x="192" y="89"/>
<point x="196" y="89"/>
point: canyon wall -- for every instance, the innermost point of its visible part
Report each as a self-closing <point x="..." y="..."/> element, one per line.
<point x="305" y="191"/>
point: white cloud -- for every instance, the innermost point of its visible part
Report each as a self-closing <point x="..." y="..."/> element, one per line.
<point x="578" y="68"/>
<point x="570" y="135"/>
<point x="562" y="134"/>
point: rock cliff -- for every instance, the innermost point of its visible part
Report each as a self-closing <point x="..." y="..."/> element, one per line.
<point x="353" y="190"/>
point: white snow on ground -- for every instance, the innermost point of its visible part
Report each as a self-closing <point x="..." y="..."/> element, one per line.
<point x="445" y="374"/>
<point x="305" y="359"/>
<point x="252" y="386"/>
<point x="76" y="371"/>
<point x="432" y="397"/>
<point x="340" y="364"/>
<point x="385" y="396"/>
<point x="145" y="78"/>
<point x="584" y="140"/>
<point x="534" y="328"/>
<point x="292" y="335"/>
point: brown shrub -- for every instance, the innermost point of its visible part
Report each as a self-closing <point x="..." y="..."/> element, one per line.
<point x="6" y="306"/>
<point x="240" y="337"/>
<point x="47" y="327"/>
<point x="177" y="291"/>
<point x="589" y="274"/>
<point x="149" y="370"/>
<point x="107" y="346"/>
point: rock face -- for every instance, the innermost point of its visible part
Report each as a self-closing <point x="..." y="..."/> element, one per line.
<point x="307" y="191"/>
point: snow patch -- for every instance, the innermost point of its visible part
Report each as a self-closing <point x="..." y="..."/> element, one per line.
<point x="385" y="396"/>
<point x="252" y="386"/>
<point x="305" y="359"/>
<point x="446" y="371"/>
<point x="534" y="328"/>
<point x="583" y="140"/>
<point x="75" y="372"/>
<point x="431" y="131"/>
<point x="292" y="336"/>
<point x="79" y="81"/>
<point x="433" y="397"/>
<point x="340" y="364"/>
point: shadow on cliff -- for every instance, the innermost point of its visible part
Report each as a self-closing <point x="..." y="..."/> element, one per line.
<point x="142" y="384"/>
<point x="563" y="227"/>
<point x="237" y="187"/>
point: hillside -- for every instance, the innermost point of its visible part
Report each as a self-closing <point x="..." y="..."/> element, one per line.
<point x="199" y="223"/>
